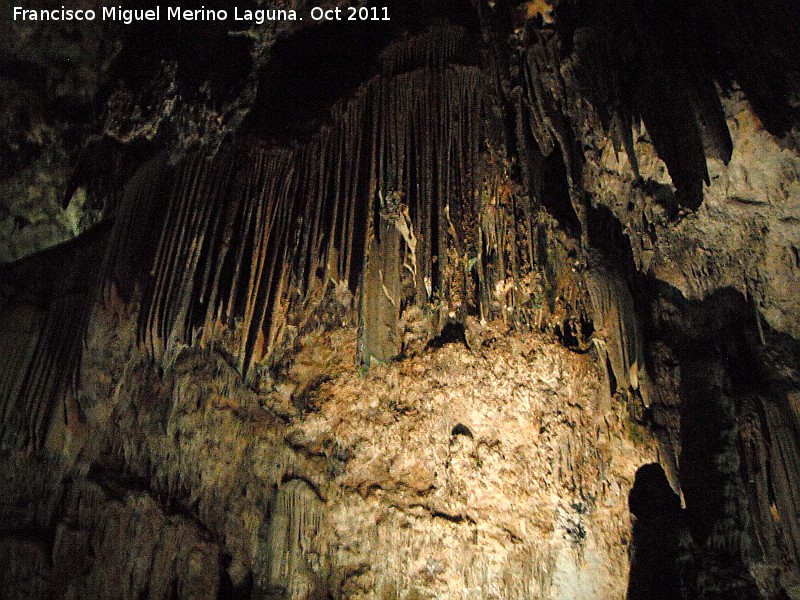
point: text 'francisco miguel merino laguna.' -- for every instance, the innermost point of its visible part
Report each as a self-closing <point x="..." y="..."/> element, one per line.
<point x="176" y="13"/>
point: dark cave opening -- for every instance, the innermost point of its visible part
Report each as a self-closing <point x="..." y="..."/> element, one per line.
<point x="227" y="589"/>
<point x="728" y="394"/>
<point x="555" y="193"/>
<point x="606" y="234"/>
<point x="655" y="537"/>
<point x="703" y="344"/>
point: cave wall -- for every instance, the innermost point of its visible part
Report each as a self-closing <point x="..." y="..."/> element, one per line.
<point x="499" y="470"/>
<point x="398" y="311"/>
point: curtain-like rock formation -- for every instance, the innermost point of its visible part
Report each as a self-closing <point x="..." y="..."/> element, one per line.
<point x="398" y="309"/>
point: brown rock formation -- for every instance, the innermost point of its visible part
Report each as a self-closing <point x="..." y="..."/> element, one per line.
<point x="404" y="309"/>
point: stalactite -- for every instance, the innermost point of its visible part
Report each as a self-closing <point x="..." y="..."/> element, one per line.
<point x="195" y="201"/>
<point x="43" y="372"/>
<point x="268" y="258"/>
<point x="131" y="224"/>
<point x="46" y="370"/>
<point x="618" y="330"/>
<point x="382" y="197"/>
<point x="291" y="560"/>
<point x="388" y="140"/>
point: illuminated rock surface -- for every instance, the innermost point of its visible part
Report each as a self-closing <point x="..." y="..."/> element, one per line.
<point x="487" y="301"/>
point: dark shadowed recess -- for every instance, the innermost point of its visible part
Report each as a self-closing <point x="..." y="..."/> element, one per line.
<point x="607" y="235"/>
<point x="202" y="50"/>
<point x="452" y="333"/>
<point x="311" y="70"/>
<point x="737" y="439"/>
<point x="553" y="189"/>
<point x="655" y="536"/>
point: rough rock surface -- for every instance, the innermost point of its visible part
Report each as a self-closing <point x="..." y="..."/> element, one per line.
<point x="49" y="77"/>
<point x="497" y="472"/>
<point x="405" y="312"/>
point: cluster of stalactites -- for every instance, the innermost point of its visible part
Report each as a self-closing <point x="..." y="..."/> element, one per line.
<point x="41" y="353"/>
<point x="656" y="67"/>
<point x="288" y="542"/>
<point x="400" y="199"/>
<point x="247" y="233"/>
<point x="434" y="49"/>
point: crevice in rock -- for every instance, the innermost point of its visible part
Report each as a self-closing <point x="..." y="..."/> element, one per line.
<point x="452" y="333"/>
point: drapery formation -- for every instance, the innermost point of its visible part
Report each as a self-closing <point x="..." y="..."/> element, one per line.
<point x="248" y="235"/>
<point x="400" y="199"/>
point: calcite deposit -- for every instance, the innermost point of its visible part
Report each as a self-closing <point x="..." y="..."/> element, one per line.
<point x="486" y="300"/>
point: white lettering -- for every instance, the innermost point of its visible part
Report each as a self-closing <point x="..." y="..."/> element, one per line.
<point x="332" y="14"/>
<point x="200" y="14"/>
<point x="260" y="16"/>
<point x="55" y="14"/>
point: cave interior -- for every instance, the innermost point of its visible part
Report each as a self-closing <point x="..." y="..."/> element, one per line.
<point x="243" y="265"/>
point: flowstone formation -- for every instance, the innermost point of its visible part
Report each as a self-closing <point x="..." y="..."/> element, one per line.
<point x="490" y="300"/>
